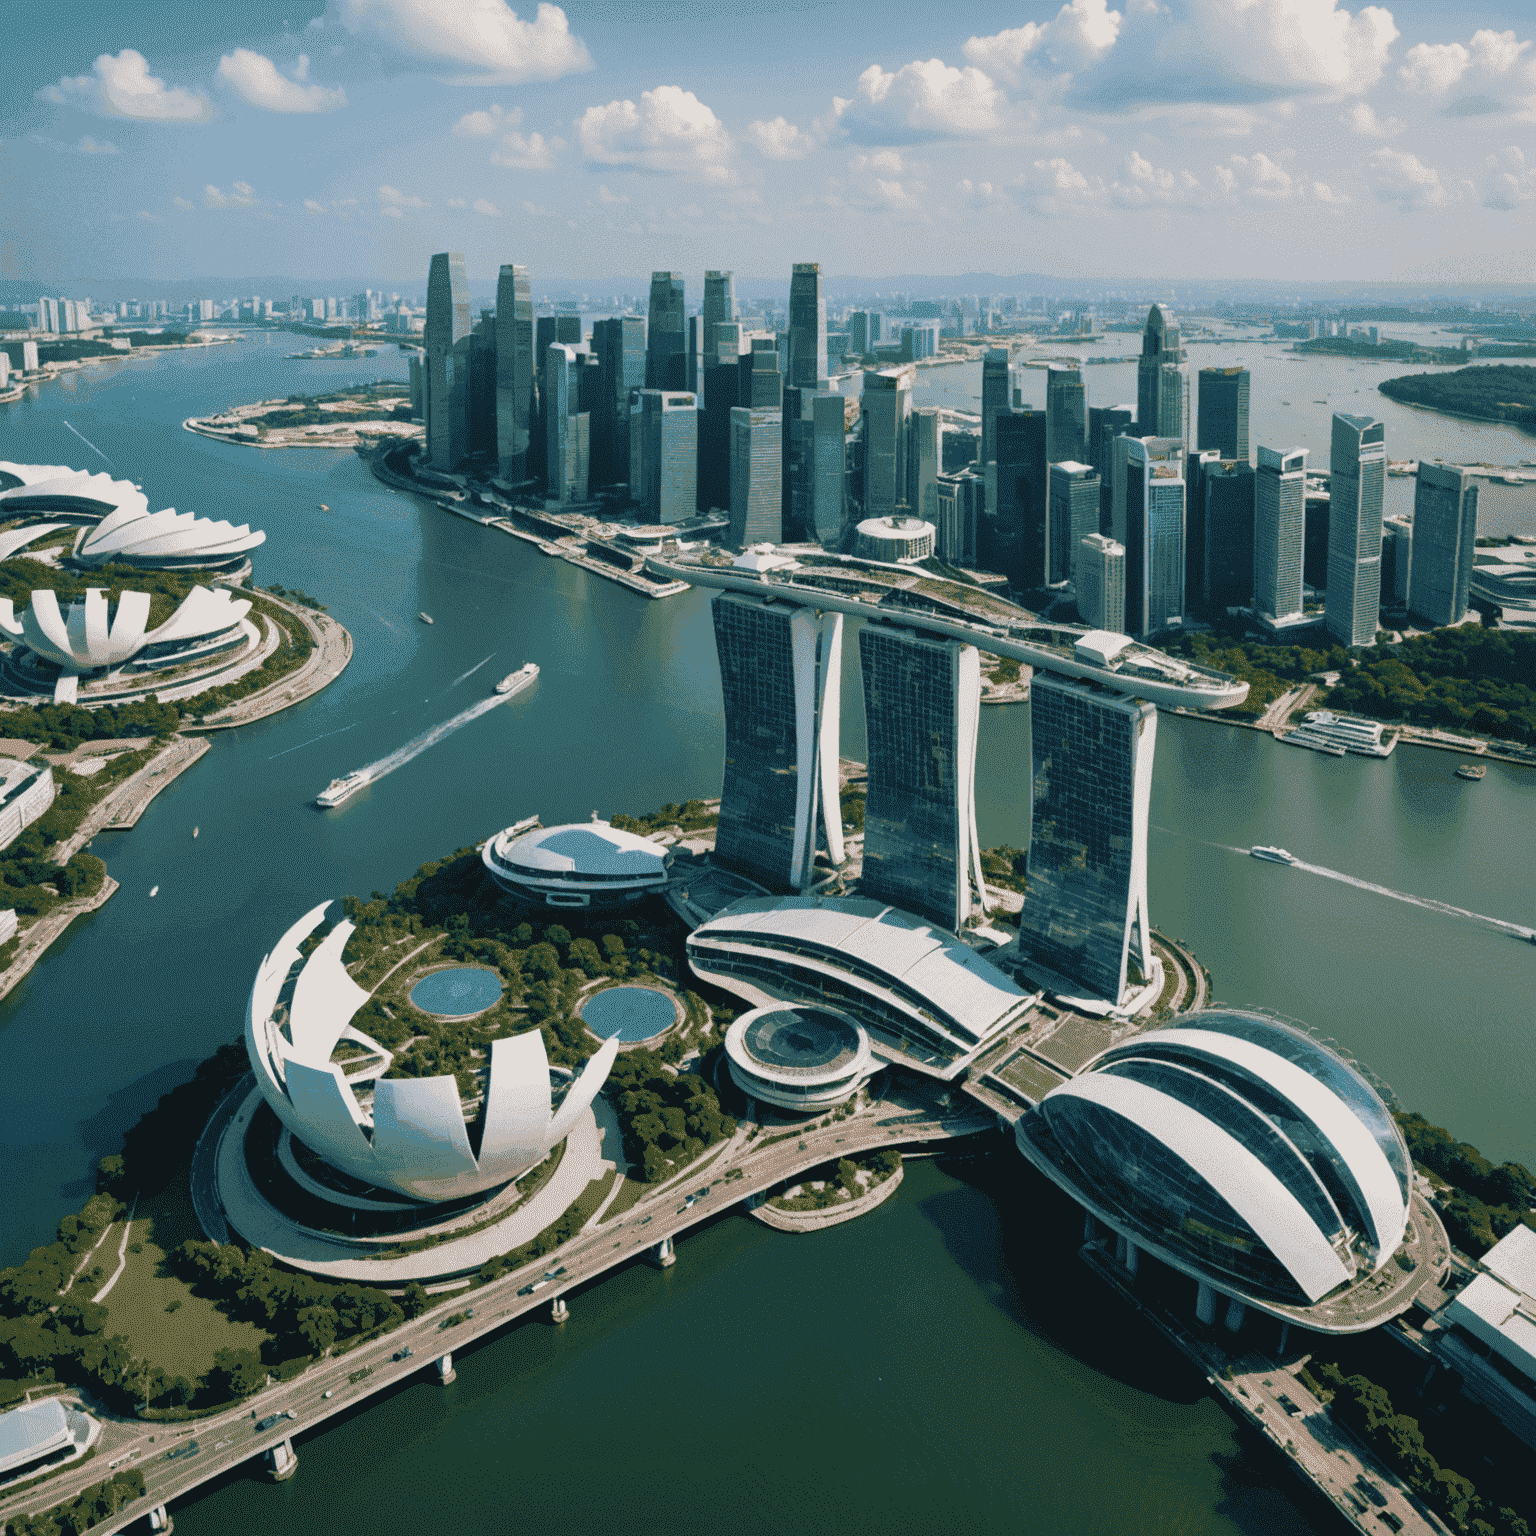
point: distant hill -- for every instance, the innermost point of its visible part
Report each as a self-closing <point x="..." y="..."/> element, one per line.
<point x="1490" y="392"/>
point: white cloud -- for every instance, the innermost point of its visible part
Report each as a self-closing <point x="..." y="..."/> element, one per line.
<point x="487" y="36"/>
<point x="148" y="217"/>
<point x="457" y="202"/>
<point x="1495" y="67"/>
<point x="1057" y="184"/>
<point x="256" y="78"/>
<point x="1325" y="194"/>
<point x="670" y="131"/>
<point x="241" y="195"/>
<point x="1434" y="67"/>
<point x="90" y="146"/>
<point x="483" y="125"/>
<point x="982" y="194"/>
<point x="1362" y="118"/>
<point x="920" y="102"/>
<point x="1403" y="178"/>
<point x="780" y="139"/>
<point x="182" y="202"/>
<point x="1510" y="181"/>
<point x="605" y="196"/>
<point x="485" y="206"/>
<point x="315" y="207"/>
<point x="123" y="87"/>
<point x="886" y="162"/>
<point x="1083" y="32"/>
<point x="392" y="197"/>
<point x="391" y="212"/>
<point x="1147" y="184"/>
<point x="530" y="152"/>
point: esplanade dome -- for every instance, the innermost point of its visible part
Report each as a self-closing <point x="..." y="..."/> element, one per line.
<point x="1235" y="1148"/>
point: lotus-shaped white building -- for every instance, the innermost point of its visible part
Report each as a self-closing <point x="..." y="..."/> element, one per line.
<point x="410" y="1135"/>
<point x="121" y="527"/>
<point x="208" y="625"/>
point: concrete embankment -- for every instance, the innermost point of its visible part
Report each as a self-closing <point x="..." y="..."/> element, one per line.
<point x="328" y="660"/>
<point x="832" y="1216"/>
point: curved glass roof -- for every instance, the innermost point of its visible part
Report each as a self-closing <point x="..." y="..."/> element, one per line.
<point x="801" y="1040"/>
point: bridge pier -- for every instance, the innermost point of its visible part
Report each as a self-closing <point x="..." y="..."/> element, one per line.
<point x="282" y="1462"/>
<point x="1236" y="1312"/>
<point x="445" y="1370"/>
<point x="558" y="1311"/>
<point x="160" y="1520"/>
<point x="662" y="1255"/>
<point x="1205" y="1303"/>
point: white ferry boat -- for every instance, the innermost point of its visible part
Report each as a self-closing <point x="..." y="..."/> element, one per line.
<point x="1274" y="855"/>
<point x="426" y="618"/>
<point x="339" y="790"/>
<point x="1365" y="738"/>
<point x="514" y="682"/>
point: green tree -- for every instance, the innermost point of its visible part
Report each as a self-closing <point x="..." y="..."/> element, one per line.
<point x="235" y="1373"/>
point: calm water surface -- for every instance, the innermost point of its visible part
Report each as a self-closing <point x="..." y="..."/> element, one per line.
<point x="944" y="1361"/>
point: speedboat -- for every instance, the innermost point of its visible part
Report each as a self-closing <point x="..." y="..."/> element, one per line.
<point x="1274" y="855"/>
<point x="341" y="789"/>
<point x="1473" y="771"/>
<point x="426" y="618"/>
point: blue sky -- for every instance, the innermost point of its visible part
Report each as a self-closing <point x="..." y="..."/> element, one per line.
<point x="1139" y="138"/>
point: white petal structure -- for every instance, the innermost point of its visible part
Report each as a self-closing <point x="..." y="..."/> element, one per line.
<point x="123" y="529"/>
<point x="415" y="1139"/>
<point x="207" y="623"/>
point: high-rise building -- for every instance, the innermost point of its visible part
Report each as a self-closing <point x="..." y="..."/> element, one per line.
<point x="780" y="680"/>
<point x="1066" y="411"/>
<point x="1021" y="532"/>
<point x="807" y="327"/>
<point x="618" y="347"/>
<point x="1105" y="424"/>
<point x="1073" y="493"/>
<point x="757" y="466"/>
<point x="1222" y="412"/>
<point x="723" y="380"/>
<point x="447" y="386"/>
<point x="666" y="334"/>
<point x="719" y="308"/>
<point x="1279" y="527"/>
<point x="693" y="355"/>
<point x="1085" y="914"/>
<point x="1161" y="383"/>
<point x="961" y="513"/>
<point x="514" y="372"/>
<point x="1396" y="560"/>
<point x="829" y="468"/>
<point x="1357" y="471"/>
<point x="1149" y="522"/>
<point x="1195" y="466"/>
<point x="567" y="426"/>
<point x="664" y="454"/>
<point x="922" y="703"/>
<point x="887" y="408"/>
<point x="1100" y="583"/>
<point x="925" y="457"/>
<point x="1444" y="538"/>
<point x="1229" y="491"/>
<point x="480" y="347"/>
<point x="994" y="399"/>
<point x="863" y="331"/>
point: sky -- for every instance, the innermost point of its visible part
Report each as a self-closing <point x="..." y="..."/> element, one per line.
<point x="1275" y="139"/>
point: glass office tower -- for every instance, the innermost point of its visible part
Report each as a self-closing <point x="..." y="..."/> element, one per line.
<point x="667" y="333"/>
<point x="1066" y="410"/>
<point x="757" y="460"/>
<point x="1357" y="470"/>
<point x="1149" y="522"/>
<point x="780" y="679"/>
<point x="925" y="439"/>
<point x="807" y="327"/>
<point x="994" y="399"/>
<point x="619" y="347"/>
<point x="1074" y="514"/>
<point x="1105" y="424"/>
<point x="1229" y="493"/>
<point x="664" y="454"/>
<point x="1021" y="541"/>
<point x="1100" y="583"/>
<point x="514" y="372"/>
<point x="1161" y="383"/>
<point x="447" y="383"/>
<point x="887" y="407"/>
<point x="1222" y="412"/>
<point x="922" y="703"/>
<point x="1444" y="539"/>
<point x="1085" y="912"/>
<point x="719" y="308"/>
<point x="1279" y="527"/>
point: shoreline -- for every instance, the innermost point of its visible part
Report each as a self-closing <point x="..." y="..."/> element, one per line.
<point x="329" y="659"/>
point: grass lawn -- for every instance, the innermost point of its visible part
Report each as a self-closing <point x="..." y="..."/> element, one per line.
<point x="632" y="1191"/>
<point x="182" y="1342"/>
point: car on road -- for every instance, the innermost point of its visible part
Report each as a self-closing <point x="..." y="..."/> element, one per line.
<point x="554" y="1274"/>
<point x="263" y="1425"/>
<point x="1371" y="1491"/>
<point x="328" y="1392"/>
<point x="528" y="1290"/>
<point x="191" y="1448"/>
<point x="403" y="1354"/>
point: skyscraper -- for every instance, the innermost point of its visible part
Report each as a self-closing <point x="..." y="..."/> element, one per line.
<point x="1149" y="522"/>
<point x="1160" y="380"/>
<point x="1223" y="412"/>
<point x="829" y="468"/>
<point x="757" y="460"/>
<point x="1101" y="583"/>
<point x="479" y="349"/>
<point x="722" y="391"/>
<point x="807" y="327"/>
<point x="719" y="307"/>
<point x="567" y="426"/>
<point x="664" y="454"/>
<point x="1105" y="424"/>
<point x="925" y="438"/>
<point x="1021" y="535"/>
<point x="1444" y="538"/>
<point x="1279" y="526"/>
<point x="887" y="406"/>
<point x="619" y="349"/>
<point x="922" y="702"/>
<point x="994" y="399"/>
<point x="961" y="512"/>
<point x="1229" y="534"/>
<point x="1066" y="410"/>
<point x="1195" y="466"/>
<point x="780" y="677"/>
<point x="1085" y="913"/>
<point x="1396" y="560"/>
<point x="667" y="333"/>
<point x="1357" y="471"/>
<point x="863" y="332"/>
<point x="693" y="355"/>
<point x="448" y="323"/>
<point x="1073" y="492"/>
<point x="514" y="372"/>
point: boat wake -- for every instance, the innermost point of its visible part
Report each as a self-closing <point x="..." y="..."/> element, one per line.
<point x="462" y="675"/>
<point x="312" y="740"/>
<point x="419" y="744"/>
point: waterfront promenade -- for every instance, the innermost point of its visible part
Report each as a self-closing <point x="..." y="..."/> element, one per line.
<point x="324" y="664"/>
<point x="648" y="1228"/>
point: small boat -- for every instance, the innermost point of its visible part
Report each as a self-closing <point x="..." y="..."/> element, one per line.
<point x="426" y="618"/>
<point x="342" y="789"/>
<point x="1473" y="771"/>
<point x="524" y="675"/>
<point x="194" y="831"/>
<point x="1274" y="855"/>
<point x="323" y="507"/>
<point x="154" y="890"/>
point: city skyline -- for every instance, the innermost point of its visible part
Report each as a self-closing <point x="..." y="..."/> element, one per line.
<point x="1297" y="141"/>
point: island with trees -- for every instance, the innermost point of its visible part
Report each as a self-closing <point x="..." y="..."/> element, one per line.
<point x="1486" y="392"/>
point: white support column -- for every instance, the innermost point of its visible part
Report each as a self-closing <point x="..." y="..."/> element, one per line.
<point x="1236" y="1312"/>
<point x="160" y="1520"/>
<point x="1205" y="1303"/>
<point x="802" y="641"/>
<point x="967" y="728"/>
<point x="282" y="1463"/>
<point x="445" y="1370"/>
<point x="829" y="732"/>
<point x="558" y="1311"/>
<point x="662" y="1255"/>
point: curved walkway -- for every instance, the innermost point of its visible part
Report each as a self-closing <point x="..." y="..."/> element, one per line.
<point x="832" y="1216"/>
<point x="328" y="660"/>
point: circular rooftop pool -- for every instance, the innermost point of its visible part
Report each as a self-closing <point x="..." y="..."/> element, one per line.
<point x="628" y="1013"/>
<point x="457" y="992"/>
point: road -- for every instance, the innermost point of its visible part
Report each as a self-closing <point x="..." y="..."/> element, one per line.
<point x="1275" y="717"/>
<point x="323" y="665"/>
<point x="227" y="1439"/>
